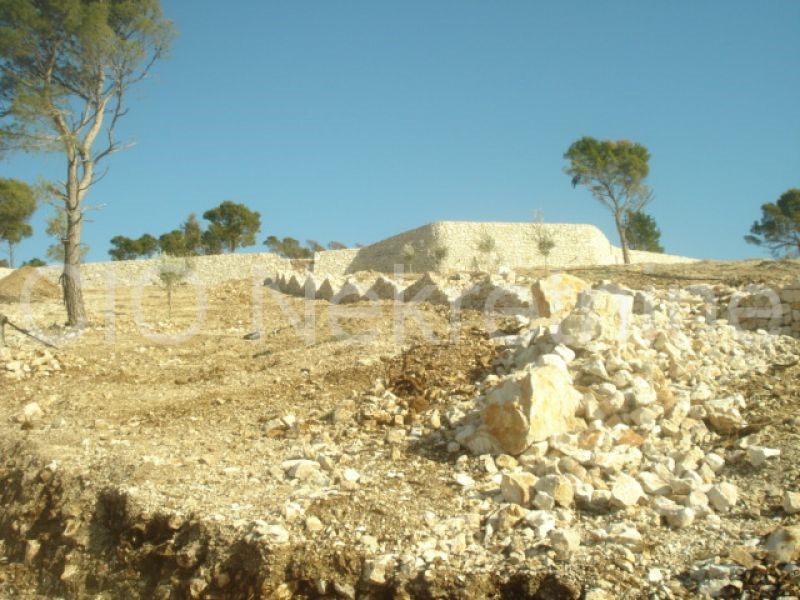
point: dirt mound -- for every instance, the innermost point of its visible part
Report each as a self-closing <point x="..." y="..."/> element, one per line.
<point x="27" y="282"/>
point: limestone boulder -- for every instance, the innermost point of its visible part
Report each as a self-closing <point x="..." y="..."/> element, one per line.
<point x="599" y="316"/>
<point x="529" y="407"/>
<point x="556" y="295"/>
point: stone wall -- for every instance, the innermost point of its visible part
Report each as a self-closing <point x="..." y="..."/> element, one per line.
<point x="335" y="262"/>
<point x="5" y="272"/>
<point x="515" y="247"/>
<point x="208" y="270"/>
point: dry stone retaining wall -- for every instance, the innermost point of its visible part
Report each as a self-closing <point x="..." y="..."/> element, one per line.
<point x="515" y="247"/>
<point x="208" y="270"/>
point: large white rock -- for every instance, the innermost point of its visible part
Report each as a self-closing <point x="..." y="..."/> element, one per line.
<point x="528" y="408"/>
<point x="598" y="316"/>
<point x="626" y="491"/>
<point x="556" y="295"/>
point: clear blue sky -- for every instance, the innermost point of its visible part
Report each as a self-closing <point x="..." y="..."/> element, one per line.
<point x="355" y="120"/>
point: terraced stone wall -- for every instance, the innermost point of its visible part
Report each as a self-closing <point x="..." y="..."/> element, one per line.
<point x="206" y="269"/>
<point x="463" y="245"/>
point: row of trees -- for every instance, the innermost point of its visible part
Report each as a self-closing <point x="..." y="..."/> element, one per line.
<point x="231" y="225"/>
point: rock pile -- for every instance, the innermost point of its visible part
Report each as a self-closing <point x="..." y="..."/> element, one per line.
<point x="21" y="364"/>
<point x="617" y="413"/>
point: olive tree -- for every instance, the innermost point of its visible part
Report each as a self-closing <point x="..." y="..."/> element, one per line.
<point x="65" y="69"/>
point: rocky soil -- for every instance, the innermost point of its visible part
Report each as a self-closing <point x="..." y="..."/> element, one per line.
<point x="630" y="445"/>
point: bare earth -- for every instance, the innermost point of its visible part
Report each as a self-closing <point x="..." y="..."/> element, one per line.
<point x="159" y="469"/>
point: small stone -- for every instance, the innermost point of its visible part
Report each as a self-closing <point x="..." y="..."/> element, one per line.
<point x="31" y="413"/>
<point x="504" y="461"/>
<point x="783" y="544"/>
<point x="32" y="548"/>
<point x="715" y="462"/>
<point x="626" y="491"/>
<point x="541" y="521"/>
<point x="301" y="469"/>
<point x="654" y="576"/>
<point x="558" y="487"/>
<point x="464" y="480"/>
<point x="723" y="496"/>
<point x="681" y="518"/>
<point x="350" y="478"/>
<point x="758" y="455"/>
<point x="565" y="542"/>
<point x="313" y="524"/>
<point x="544" y="501"/>
<point x="653" y="484"/>
<point x="625" y="535"/>
<point x="791" y="502"/>
<point x="344" y="590"/>
<point x="517" y="488"/>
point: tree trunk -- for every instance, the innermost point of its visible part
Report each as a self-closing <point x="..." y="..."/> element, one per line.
<point x="11" y="254"/>
<point x="623" y="240"/>
<point x="71" y="277"/>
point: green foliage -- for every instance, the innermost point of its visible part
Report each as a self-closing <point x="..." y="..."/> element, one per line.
<point x="173" y="243"/>
<point x="288" y="247"/>
<point x="211" y="243"/>
<point x="233" y="225"/>
<point x="614" y="173"/>
<point x="642" y="232"/>
<point x="408" y="253"/>
<point x="486" y="243"/>
<point x="543" y="238"/>
<point x="439" y="253"/>
<point x="66" y="67"/>
<point x="192" y="236"/>
<point x="779" y="227"/>
<point x="314" y="246"/>
<point x="3" y="263"/>
<point x="130" y="249"/>
<point x="17" y="205"/>
<point x="334" y="245"/>
<point x="57" y="229"/>
<point x="34" y="262"/>
<point x="171" y="272"/>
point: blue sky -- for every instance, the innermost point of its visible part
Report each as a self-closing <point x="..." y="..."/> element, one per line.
<point x="355" y="120"/>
